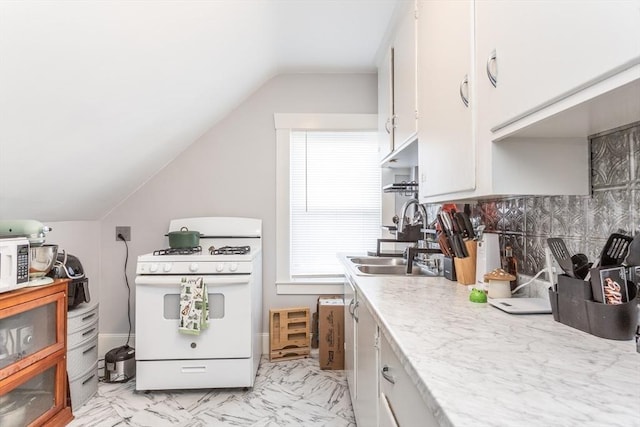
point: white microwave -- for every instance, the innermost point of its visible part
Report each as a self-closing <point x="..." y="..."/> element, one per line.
<point x="14" y="263"/>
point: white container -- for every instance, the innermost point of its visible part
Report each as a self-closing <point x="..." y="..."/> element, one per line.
<point x="499" y="289"/>
<point x="487" y="256"/>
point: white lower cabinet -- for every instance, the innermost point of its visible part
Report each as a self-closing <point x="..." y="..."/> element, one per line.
<point x="382" y="393"/>
<point x="400" y="401"/>
<point x="361" y="354"/>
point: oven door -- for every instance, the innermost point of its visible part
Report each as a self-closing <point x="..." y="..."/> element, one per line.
<point x="157" y="317"/>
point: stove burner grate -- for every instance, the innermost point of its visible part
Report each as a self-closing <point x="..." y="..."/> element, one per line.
<point x="179" y="251"/>
<point x="230" y="250"/>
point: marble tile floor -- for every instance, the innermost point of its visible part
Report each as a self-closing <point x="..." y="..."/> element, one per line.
<point x="287" y="393"/>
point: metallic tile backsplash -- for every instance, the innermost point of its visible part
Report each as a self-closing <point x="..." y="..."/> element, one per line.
<point x="584" y="222"/>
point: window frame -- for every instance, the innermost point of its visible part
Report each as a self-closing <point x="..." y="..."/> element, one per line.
<point x="284" y="125"/>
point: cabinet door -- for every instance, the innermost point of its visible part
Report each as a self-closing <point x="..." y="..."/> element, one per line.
<point x="349" y="337"/>
<point x="445" y="81"/>
<point x="404" y="79"/>
<point x="31" y="331"/>
<point x="385" y="104"/>
<point x="366" y="403"/>
<point x="547" y="50"/>
<point x="36" y="394"/>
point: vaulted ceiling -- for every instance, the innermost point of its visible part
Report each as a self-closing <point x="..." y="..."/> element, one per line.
<point x="97" y="97"/>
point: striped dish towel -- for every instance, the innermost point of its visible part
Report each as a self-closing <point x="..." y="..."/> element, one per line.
<point x="194" y="307"/>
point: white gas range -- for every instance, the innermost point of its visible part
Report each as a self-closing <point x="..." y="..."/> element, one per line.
<point x="227" y="352"/>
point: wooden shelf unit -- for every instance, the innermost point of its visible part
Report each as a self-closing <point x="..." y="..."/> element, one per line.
<point x="289" y="333"/>
<point x="37" y="364"/>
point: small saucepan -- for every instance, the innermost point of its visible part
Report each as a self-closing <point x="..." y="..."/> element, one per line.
<point x="183" y="239"/>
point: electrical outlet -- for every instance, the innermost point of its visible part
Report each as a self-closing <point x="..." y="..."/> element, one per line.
<point x="125" y="231"/>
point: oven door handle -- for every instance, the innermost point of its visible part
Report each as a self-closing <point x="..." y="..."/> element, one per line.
<point x="239" y="279"/>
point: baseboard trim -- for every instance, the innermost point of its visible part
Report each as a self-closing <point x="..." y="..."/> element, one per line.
<point x="107" y="342"/>
<point x="265" y="343"/>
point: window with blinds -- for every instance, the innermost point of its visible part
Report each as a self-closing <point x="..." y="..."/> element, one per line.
<point x="335" y="203"/>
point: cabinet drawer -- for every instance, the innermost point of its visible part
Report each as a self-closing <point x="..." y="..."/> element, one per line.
<point x="405" y="404"/>
<point x="83" y="335"/>
<point x="81" y="358"/>
<point x="83" y="387"/>
<point x="81" y="317"/>
<point x="386" y="417"/>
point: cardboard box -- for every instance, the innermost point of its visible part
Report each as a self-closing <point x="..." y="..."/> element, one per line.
<point x="331" y="332"/>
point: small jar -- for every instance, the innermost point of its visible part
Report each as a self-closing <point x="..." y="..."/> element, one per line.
<point x="499" y="289"/>
<point x="499" y="283"/>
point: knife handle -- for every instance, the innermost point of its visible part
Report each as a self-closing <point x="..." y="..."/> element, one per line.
<point x="466" y="224"/>
<point x="462" y="248"/>
<point x="462" y="228"/>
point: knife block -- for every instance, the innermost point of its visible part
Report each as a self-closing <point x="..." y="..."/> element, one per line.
<point x="466" y="267"/>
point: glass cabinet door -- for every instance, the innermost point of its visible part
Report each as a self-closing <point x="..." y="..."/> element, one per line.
<point x="26" y="333"/>
<point x="30" y="330"/>
<point x="33" y="397"/>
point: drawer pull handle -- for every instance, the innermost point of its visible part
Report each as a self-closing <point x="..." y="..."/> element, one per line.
<point x="193" y="369"/>
<point x="84" y="334"/>
<point x="89" y="349"/>
<point x="493" y="77"/>
<point x="88" y="317"/>
<point x="355" y="315"/>
<point x="464" y="85"/>
<point x="387" y="376"/>
<point x="88" y="379"/>
<point x="351" y="306"/>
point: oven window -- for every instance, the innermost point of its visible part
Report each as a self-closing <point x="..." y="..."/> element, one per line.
<point x="172" y="306"/>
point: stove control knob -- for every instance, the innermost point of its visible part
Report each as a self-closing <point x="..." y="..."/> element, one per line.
<point x="167" y="267"/>
<point x="153" y="268"/>
<point x="193" y="267"/>
<point x="233" y="266"/>
<point x="219" y="267"/>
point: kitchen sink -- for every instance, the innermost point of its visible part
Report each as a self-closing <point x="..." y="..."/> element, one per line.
<point x="379" y="261"/>
<point x="392" y="270"/>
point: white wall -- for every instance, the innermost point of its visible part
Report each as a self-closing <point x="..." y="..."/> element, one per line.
<point x="81" y="239"/>
<point x="230" y="171"/>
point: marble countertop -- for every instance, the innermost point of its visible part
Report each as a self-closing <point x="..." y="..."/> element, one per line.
<point x="476" y="365"/>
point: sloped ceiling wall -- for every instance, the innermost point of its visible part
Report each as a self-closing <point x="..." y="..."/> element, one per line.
<point x="97" y="97"/>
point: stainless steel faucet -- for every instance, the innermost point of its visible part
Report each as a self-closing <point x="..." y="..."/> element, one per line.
<point x="421" y="210"/>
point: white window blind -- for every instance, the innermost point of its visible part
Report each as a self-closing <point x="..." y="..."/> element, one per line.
<point x="335" y="203"/>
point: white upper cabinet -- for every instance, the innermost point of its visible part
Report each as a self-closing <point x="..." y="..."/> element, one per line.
<point x="543" y="51"/>
<point x="541" y="77"/>
<point x="404" y="79"/>
<point x="445" y="138"/>
<point x="397" y="92"/>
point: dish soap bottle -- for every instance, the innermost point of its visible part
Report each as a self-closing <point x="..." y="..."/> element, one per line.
<point x="510" y="265"/>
